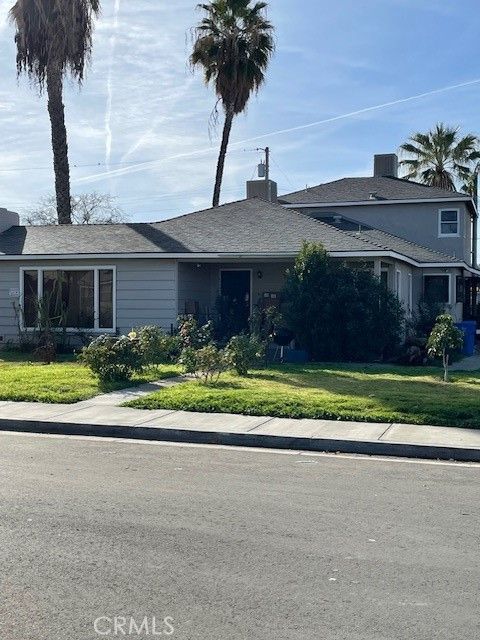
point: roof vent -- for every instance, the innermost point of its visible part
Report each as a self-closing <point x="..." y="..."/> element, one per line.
<point x="385" y="165"/>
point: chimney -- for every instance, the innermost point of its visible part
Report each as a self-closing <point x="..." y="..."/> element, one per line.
<point x="8" y="219"/>
<point x="264" y="189"/>
<point x="385" y="165"/>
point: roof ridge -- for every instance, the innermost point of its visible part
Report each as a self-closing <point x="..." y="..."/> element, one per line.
<point x="421" y="184"/>
<point x="221" y="206"/>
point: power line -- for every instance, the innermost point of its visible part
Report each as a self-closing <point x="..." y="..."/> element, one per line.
<point x="73" y="166"/>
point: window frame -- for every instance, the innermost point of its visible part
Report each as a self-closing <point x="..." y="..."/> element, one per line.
<point x="410" y="294"/>
<point x="440" y="222"/>
<point x="398" y="283"/>
<point x="440" y="275"/>
<point x="96" y="299"/>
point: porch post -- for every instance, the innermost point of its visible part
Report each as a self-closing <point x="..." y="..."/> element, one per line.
<point x="377" y="267"/>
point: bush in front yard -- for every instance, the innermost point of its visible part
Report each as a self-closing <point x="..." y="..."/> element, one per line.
<point x="207" y="364"/>
<point x="112" y="358"/>
<point x="192" y="335"/>
<point x="157" y="347"/>
<point x="339" y="313"/>
<point x="243" y="353"/>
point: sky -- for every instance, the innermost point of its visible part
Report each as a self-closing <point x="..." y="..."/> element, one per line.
<point x="349" y="79"/>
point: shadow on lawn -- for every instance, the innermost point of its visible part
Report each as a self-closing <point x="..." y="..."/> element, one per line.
<point x="418" y="400"/>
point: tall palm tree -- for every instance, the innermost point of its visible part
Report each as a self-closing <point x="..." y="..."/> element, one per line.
<point x="234" y="43"/>
<point x="54" y="39"/>
<point x="470" y="185"/>
<point x="440" y="157"/>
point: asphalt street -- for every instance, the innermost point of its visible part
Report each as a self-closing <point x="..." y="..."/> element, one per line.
<point x="222" y="544"/>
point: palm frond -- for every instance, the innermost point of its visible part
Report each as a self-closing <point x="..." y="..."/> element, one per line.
<point x="234" y="43"/>
<point x="439" y="157"/>
<point x="53" y="34"/>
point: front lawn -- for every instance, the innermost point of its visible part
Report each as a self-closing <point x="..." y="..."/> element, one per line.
<point x="344" y="392"/>
<point x="63" y="382"/>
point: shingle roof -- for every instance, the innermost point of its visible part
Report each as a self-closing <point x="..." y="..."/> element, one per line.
<point x="388" y="241"/>
<point x="245" y="227"/>
<point x="360" y="190"/>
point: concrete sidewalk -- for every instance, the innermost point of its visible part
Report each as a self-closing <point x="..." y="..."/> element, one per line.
<point x="101" y="416"/>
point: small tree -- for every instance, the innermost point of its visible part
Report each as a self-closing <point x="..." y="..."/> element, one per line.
<point x="444" y="339"/>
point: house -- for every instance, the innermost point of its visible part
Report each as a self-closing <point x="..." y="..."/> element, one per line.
<point x="417" y="239"/>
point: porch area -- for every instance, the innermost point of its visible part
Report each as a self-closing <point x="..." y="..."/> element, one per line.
<point x="231" y="289"/>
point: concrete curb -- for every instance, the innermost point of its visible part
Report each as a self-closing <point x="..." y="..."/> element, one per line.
<point x="162" y="434"/>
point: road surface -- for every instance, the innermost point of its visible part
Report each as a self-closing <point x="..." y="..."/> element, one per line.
<point x="226" y="544"/>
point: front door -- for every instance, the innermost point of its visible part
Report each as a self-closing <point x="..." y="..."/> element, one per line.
<point x="235" y="296"/>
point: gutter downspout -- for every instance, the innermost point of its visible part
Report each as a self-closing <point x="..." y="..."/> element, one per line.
<point x="475" y="224"/>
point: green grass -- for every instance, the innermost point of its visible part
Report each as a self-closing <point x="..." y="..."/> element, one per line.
<point x="344" y="392"/>
<point x="64" y="382"/>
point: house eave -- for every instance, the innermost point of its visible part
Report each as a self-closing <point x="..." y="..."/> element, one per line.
<point x="363" y="203"/>
<point x="226" y="257"/>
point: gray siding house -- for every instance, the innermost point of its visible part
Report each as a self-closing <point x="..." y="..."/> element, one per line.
<point x="418" y="240"/>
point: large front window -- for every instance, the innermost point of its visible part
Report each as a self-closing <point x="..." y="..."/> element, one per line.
<point x="436" y="289"/>
<point x="69" y="298"/>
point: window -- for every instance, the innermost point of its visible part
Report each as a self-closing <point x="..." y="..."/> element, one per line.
<point x="73" y="298"/>
<point x="436" y="289"/>
<point x="384" y="278"/>
<point x="460" y="295"/>
<point x="410" y="293"/>
<point x="448" y="223"/>
<point x="398" y="283"/>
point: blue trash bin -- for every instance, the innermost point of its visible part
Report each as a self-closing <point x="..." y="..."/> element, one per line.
<point x="469" y="328"/>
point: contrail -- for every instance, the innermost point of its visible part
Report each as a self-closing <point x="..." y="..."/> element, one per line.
<point x="359" y="112"/>
<point x="147" y="165"/>
<point x="5" y="6"/>
<point x="108" y="109"/>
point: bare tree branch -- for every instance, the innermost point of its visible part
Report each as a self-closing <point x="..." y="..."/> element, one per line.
<point x="87" y="208"/>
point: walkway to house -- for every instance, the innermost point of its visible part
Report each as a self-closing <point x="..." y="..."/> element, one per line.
<point x="103" y="417"/>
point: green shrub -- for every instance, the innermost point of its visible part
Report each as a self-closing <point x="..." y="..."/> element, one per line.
<point x="157" y="347"/>
<point x="112" y="358"/>
<point x="338" y="313"/>
<point x="243" y="353"/>
<point x="191" y="335"/>
<point x="207" y="363"/>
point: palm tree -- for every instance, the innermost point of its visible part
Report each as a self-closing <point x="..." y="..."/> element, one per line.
<point x="54" y="39"/>
<point x="470" y="185"/>
<point x="440" y="157"/>
<point x="234" y="43"/>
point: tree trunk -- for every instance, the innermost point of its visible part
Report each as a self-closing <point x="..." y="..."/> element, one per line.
<point x="227" y="127"/>
<point x="56" y="111"/>
<point x="446" y="362"/>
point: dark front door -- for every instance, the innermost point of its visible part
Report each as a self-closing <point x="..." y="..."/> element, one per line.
<point x="235" y="295"/>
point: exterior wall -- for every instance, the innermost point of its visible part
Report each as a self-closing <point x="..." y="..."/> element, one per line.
<point x="146" y="291"/>
<point x="415" y="222"/>
<point x="194" y="285"/>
